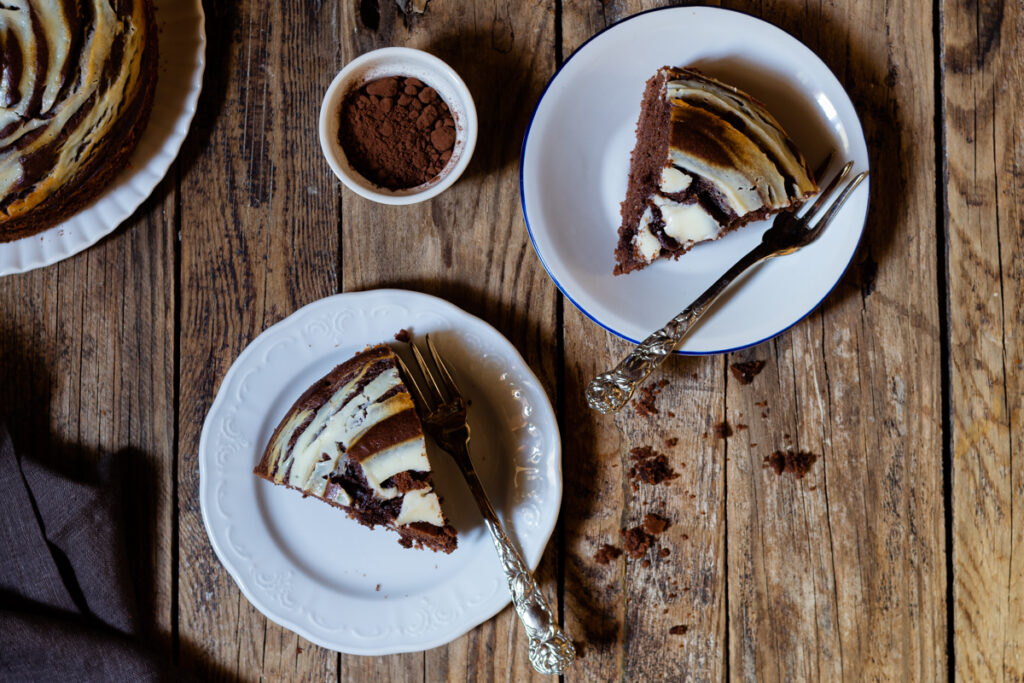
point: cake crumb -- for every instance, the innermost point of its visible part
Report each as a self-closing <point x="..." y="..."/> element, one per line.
<point x="670" y="413"/>
<point x="664" y="552"/>
<point x="797" y="463"/>
<point x="377" y="588"/>
<point x="649" y="466"/>
<point x="655" y="524"/>
<point x="403" y="336"/>
<point x="679" y="629"/>
<point x="741" y="427"/>
<point x="606" y="553"/>
<point x="645" y="564"/>
<point x="645" y="403"/>
<point x="746" y="372"/>
<point x="669" y="443"/>
<point x="636" y="541"/>
<point x="298" y="650"/>
<point x="723" y="430"/>
<point x="761" y="404"/>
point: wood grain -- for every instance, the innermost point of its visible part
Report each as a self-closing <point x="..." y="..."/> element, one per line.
<point x="624" y="611"/>
<point x="842" y="574"/>
<point x="88" y="351"/>
<point x="468" y="245"/>
<point x="982" y="87"/>
<point x="255" y="245"/>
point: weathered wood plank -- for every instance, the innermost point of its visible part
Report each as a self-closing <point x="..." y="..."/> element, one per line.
<point x="87" y="348"/>
<point x="983" y="92"/>
<point x="468" y="245"/>
<point x="625" y="611"/>
<point x="258" y="240"/>
<point x="842" y="574"/>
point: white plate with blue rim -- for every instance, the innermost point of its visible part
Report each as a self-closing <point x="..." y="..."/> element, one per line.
<point x="575" y="163"/>
<point x="305" y="564"/>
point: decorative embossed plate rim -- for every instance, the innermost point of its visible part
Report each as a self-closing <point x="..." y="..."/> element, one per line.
<point x="182" y="35"/>
<point x="324" y="591"/>
<point x="571" y="186"/>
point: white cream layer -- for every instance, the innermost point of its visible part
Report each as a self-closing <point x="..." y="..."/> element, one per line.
<point x="335" y="427"/>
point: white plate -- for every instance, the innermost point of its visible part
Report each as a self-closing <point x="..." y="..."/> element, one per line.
<point x="575" y="162"/>
<point x="182" y="45"/>
<point x="321" y="581"/>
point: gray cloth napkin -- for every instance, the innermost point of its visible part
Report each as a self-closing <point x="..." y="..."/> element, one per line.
<point x="67" y="604"/>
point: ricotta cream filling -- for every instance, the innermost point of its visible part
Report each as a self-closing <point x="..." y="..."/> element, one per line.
<point x="420" y="505"/>
<point x="686" y="222"/>
<point x="98" y="116"/>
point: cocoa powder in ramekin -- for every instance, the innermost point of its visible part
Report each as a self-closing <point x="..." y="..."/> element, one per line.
<point x="396" y="132"/>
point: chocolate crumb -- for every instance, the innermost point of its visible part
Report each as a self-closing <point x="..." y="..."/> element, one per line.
<point x="797" y="463"/>
<point x="645" y="564"/>
<point x="403" y="336"/>
<point x="746" y="372"/>
<point x="741" y="427"/>
<point x="606" y="553"/>
<point x="298" y="650"/>
<point x="579" y="646"/>
<point x="655" y="524"/>
<point x="636" y="541"/>
<point x="377" y="588"/>
<point x="670" y="413"/>
<point x="645" y="402"/>
<point x="664" y="552"/>
<point x="669" y="443"/>
<point x="723" y="430"/>
<point x="671" y="595"/>
<point x="685" y="537"/>
<point x="649" y="466"/>
<point x="679" y="629"/>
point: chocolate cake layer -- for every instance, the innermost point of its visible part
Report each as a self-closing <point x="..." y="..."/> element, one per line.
<point x="353" y="440"/>
<point x="77" y="79"/>
<point x="708" y="159"/>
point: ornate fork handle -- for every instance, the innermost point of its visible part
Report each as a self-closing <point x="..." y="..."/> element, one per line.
<point x="609" y="391"/>
<point x="551" y="651"/>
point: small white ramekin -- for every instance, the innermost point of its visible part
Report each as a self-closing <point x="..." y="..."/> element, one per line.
<point x="399" y="61"/>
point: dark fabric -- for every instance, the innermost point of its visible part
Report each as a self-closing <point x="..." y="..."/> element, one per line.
<point x="67" y="605"/>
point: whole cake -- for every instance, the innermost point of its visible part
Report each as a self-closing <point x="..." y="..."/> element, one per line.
<point x="708" y="159"/>
<point x="77" y="79"/>
<point x="353" y="440"/>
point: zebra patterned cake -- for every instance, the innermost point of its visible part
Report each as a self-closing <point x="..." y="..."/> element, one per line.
<point x="708" y="159"/>
<point x="77" y="79"/>
<point x="353" y="440"/>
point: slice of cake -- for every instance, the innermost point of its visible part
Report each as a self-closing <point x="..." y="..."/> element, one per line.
<point x="708" y="159"/>
<point x="353" y="440"/>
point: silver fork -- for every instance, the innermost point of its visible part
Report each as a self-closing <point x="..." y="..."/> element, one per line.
<point x="444" y="416"/>
<point x="609" y="391"/>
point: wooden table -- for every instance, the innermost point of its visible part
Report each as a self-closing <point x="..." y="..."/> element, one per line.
<point x="898" y="557"/>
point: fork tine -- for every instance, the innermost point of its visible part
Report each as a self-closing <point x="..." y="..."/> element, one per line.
<point x="446" y="374"/>
<point x="820" y="201"/>
<point x="838" y="203"/>
<point x="425" y="369"/>
<point x="418" y="395"/>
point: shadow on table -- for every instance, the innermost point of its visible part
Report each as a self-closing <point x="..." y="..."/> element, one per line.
<point x="26" y="405"/>
<point x="499" y="74"/>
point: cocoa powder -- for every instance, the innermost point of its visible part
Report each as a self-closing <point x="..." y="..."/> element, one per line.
<point x="397" y="132"/>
